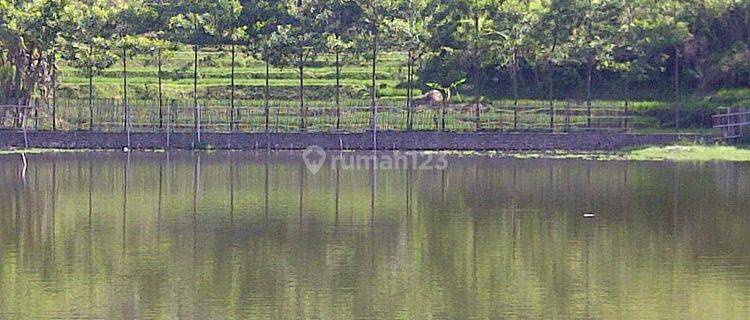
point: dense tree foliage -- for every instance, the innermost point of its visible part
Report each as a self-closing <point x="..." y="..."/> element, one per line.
<point x="572" y="49"/>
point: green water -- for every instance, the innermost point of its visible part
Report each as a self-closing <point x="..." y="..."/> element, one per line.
<point x="253" y="235"/>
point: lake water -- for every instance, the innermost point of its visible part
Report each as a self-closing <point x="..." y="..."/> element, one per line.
<point x="254" y="235"/>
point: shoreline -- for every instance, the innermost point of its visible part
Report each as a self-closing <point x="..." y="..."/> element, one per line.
<point x="401" y="141"/>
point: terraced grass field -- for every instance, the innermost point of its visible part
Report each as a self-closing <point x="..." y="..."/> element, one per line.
<point x="214" y="87"/>
<point x="215" y="77"/>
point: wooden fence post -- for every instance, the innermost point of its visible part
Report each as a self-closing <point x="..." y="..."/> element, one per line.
<point x="442" y="117"/>
<point x="198" y="116"/>
<point x="552" y="116"/>
<point x="741" y="119"/>
<point x="54" y="110"/>
<point x="36" y="113"/>
<point x="24" y="115"/>
<point x="408" y="113"/>
<point x="625" y="115"/>
<point x="170" y="106"/>
<point x="277" y="120"/>
<point x="128" y="125"/>
<point x="338" y="117"/>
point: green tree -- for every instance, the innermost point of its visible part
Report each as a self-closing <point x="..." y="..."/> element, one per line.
<point x="552" y="41"/>
<point x="87" y="46"/>
<point x="307" y="31"/>
<point x="30" y="34"/>
<point x="262" y="19"/>
<point x="374" y="13"/>
<point x="509" y="40"/>
<point x="675" y="36"/>
<point x="408" y="28"/>
<point x="593" y="38"/>
<point x="160" y="50"/>
<point x="201" y="19"/>
<point x="131" y="41"/>
<point x="296" y="41"/>
<point x="342" y="16"/>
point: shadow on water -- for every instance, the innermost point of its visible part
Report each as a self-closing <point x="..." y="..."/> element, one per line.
<point x="247" y="235"/>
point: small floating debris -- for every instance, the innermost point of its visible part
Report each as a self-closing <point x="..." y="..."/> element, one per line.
<point x="589" y="215"/>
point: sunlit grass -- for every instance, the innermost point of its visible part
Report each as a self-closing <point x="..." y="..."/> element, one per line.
<point x="17" y="151"/>
<point x="692" y="153"/>
<point x="215" y="75"/>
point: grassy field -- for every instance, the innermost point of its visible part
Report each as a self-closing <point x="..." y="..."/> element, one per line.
<point x="215" y="77"/>
<point x="215" y="81"/>
<point x="215" y="84"/>
<point x="214" y="91"/>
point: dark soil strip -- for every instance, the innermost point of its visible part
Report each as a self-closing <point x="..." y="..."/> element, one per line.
<point x="501" y="141"/>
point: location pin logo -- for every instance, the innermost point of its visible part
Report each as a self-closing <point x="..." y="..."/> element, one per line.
<point x="314" y="157"/>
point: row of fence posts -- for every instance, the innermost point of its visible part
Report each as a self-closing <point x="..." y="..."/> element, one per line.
<point x="552" y="111"/>
<point x="441" y="125"/>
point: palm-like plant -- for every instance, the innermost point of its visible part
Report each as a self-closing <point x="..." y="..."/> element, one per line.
<point x="449" y="91"/>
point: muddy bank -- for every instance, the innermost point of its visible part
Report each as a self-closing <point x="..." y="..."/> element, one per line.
<point x="505" y="141"/>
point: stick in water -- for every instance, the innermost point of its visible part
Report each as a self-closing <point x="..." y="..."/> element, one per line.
<point x="25" y="165"/>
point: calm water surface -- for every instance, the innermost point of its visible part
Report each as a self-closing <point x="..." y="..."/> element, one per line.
<point x="253" y="235"/>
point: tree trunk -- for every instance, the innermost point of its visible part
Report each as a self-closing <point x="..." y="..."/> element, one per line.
<point x="266" y="109"/>
<point x="91" y="85"/>
<point x="303" y="114"/>
<point x="409" y="91"/>
<point x="550" y="85"/>
<point x="589" y="70"/>
<point x="514" y="73"/>
<point x="301" y="62"/>
<point x="550" y="96"/>
<point x="476" y="68"/>
<point x="676" y="60"/>
<point x="374" y="90"/>
<point x="410" y="76"/>
<point x="231" y="97"/>
<point x="625" y="122"/>
<point x="126" y="122"/>
<point x="197" y="107"/>
<point x="338" y="90"/>
<point x="3" y="87"/>
<point x="161" y="97"/>
<point x="590" y="60"/>
<point x="54" y="92"/>
<point x="442" y="115"/>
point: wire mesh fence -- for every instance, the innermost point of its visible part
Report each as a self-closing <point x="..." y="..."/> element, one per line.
<point x="732" y="123"/>
<point x="110" y="115"/>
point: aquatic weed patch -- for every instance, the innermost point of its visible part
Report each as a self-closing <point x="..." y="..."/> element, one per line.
<point x="692" y="153"/>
